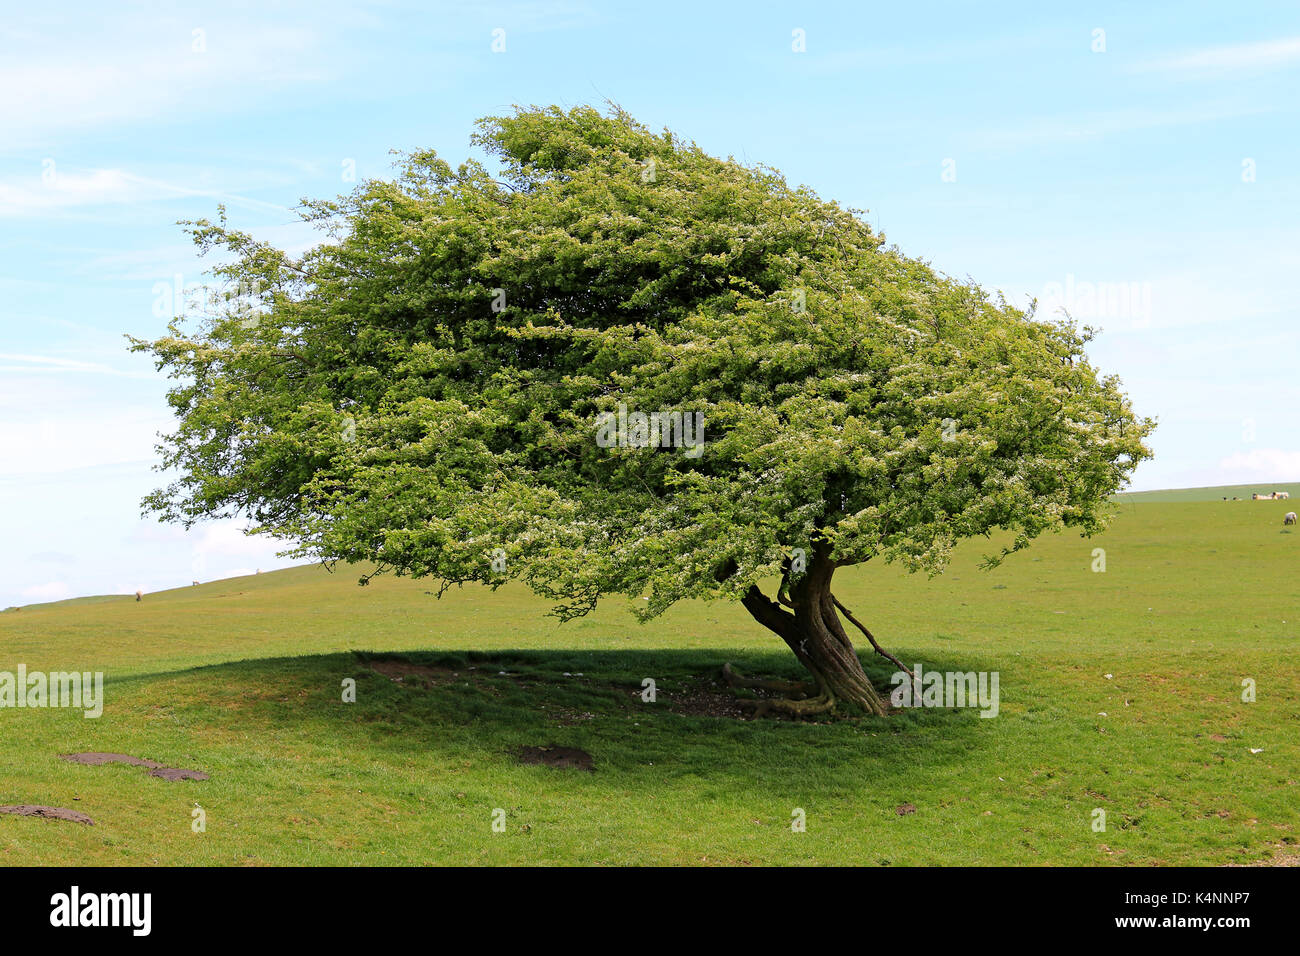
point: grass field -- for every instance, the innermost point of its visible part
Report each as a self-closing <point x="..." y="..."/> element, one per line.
<point x="1120" y="690"/>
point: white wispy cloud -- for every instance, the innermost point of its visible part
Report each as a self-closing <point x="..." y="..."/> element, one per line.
<point x="51" y="591"/>
<point x="1092" y="126"/>
<point x="173" y="189"/>
<point x="37" y="195"/>
<point x="47" y="442"/>
<point x="143" y="69"/>
<point x="59" y="190"/>
<point x="47" y="364"/>
<point x="1261" y="55"/>
<point x="166" y="262"/>
<point x="1261" y="464"/>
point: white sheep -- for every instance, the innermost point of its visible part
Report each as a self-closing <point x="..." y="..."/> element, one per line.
<point x="1289" y="519"/>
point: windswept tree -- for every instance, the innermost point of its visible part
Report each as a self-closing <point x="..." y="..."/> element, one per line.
<point x="608" y="363"/>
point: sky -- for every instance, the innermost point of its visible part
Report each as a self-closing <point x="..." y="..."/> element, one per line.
<point x="1138" y="165"/>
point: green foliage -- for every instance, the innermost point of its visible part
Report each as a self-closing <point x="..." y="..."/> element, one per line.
<point x="423" y="388"/>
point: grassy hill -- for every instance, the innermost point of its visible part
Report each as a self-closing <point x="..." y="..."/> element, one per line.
<point x="1120" y="691"/>
<point x="1215" y="493"/>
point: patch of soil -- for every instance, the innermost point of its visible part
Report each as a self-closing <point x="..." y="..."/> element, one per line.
<point x="175" y="773"/>
<point x="403" y="672"/>
<point x="703" y="698"/>
<point x="905" y="809"/>
<point x="564" y="758"/>
<point x="96" y="759"/>
<point x="48" y="813"/>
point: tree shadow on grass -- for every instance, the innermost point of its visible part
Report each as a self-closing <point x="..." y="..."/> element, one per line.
<point x="487" y="706"/>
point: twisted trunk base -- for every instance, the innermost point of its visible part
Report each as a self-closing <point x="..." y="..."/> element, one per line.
<point x="813" y="631"/>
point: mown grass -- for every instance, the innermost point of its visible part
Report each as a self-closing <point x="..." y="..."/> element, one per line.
<point x="242" y="679"/>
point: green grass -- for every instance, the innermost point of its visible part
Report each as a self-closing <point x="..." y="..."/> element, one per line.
<point x="242" y="679"/>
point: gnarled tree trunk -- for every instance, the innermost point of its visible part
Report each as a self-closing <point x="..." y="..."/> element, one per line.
<point x="812" y="629"/>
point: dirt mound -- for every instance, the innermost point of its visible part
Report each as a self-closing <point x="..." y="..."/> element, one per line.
<point x="565" y="758"/>
<point x="48" y="813"/>
<point x="97" y="759"/>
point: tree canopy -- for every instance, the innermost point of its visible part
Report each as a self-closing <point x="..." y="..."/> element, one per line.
<point x="427" y="387"/>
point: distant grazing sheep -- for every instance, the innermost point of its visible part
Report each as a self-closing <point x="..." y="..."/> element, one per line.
<point x="194" y="584"/>
<point x="139" y="596"/>
<point x="1290" y="518"/>
<point x="1283" y="495"/>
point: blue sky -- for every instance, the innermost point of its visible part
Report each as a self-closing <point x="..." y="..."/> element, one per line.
<point x="1147" y="178"/>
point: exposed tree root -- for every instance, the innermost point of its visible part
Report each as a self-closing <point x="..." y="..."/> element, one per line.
<point x="799" y="701"/>
<point x="823" y="704"/>
<point x="794" y="689"/>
